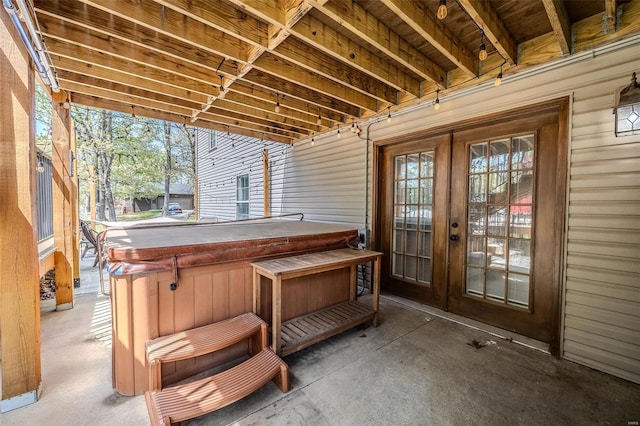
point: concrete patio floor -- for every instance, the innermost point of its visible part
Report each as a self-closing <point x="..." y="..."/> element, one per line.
<point x="416" y="368"/>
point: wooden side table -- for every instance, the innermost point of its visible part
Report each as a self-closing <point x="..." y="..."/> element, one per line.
<point x="305" y="330"/>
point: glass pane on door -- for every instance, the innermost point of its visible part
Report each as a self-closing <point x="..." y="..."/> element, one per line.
<point x="499" y="220"/>
<point x="413" y="206"/>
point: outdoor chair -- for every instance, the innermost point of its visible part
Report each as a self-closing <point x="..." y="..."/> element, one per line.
<point x="91" y="240"/>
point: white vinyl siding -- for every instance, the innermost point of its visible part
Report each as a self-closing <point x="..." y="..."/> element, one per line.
<point x="602" y="307"/>
<point x="601" y="284"/>
<point x="234" y="156"/>
<point x="326" y="181"/>
<point x="601" y="311"/>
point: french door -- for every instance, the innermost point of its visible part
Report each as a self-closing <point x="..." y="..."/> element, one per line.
<point x="471" y="220"/>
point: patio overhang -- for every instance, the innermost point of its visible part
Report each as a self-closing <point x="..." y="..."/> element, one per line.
<point x="287" y="70"/>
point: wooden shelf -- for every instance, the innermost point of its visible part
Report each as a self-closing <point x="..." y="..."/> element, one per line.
<point x="311" y="327"/>
<point x="306" y="330"/>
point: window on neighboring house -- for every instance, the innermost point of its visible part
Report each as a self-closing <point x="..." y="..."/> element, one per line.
<point x="212" y="140"/>
<point x="242" y="197"/>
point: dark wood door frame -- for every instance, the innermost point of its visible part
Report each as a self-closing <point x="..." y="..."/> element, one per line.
<point x="558" y="106"/>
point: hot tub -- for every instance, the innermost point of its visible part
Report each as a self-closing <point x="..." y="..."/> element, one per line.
<point x="164" y="279"/>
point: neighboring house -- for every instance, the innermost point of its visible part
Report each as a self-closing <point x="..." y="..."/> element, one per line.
<point x="555" y="257"/>
<point x="231" y="176"/>
<point x="178" y="193"/>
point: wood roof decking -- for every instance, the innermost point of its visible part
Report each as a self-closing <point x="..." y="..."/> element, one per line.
<point x="225" y="64"/>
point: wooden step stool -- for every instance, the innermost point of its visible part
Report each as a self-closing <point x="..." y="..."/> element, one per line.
<point x="182" y="402"/>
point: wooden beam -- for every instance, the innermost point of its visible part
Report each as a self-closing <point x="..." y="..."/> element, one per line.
<point x="266" y="192"/>
<point x="219" y="15"/>
<point x="303" y="127"/>
<point x="198" y="33"/>
<point x="273" y="64"/>
<point x="234" y="118"/>
<point x="247" y="93"/>
<point x="19" y="283"/>
<point x="589" y="33"/>
<point x="361" y="23"/>
<point x="134" y="69"/>
<point x="303" y="55"/>
<point x="559" y="20"/>
<point x="75" y="211"/>
<point x="436" y="33"/>
<point x="75" y="82"/>
<point x="81" y="39"/>
<point x="301" y="93"/>
<point x="299" y="72"/>
<point x="173" y="24"/>
<point x="80" y="88"/>
<point x="62" y="206"/>
<point x="483" y="13"/>
<point x="159" y="115"/>
<point x="95" y="71"/>
<point x="610" y="9"/>
<point x="114" y="27"/>
<point x="334" y="44"/>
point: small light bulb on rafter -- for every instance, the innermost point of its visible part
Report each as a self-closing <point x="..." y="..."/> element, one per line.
<point x="338" y="135"/>
<point x="442" y="9"/>
<point x="353" y="126"/>
<point x="40" y="165"/>
<point x="319" y="120"/>
<point x="221" y="84"/>
<point x="277" y="108"/>
<point x="436" y="104"/>
<point x="482" y="55"/>
<point x="388" y="114"/>
<point x="498" y="81"/>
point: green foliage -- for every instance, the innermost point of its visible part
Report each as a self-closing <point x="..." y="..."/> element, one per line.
<point x="131" y="152"/>
<point x="43" y="120"/>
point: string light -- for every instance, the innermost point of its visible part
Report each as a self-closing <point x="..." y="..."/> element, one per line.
<point x="482" y="55"/>
<point x="40" y="165"/>
<point x="338" y="135"/>
<point x="221" y="83"/>
<point x="353" y="126"/>
<point x="313" y="141"/>
<point x="442" y="10"/>
<point x="277" y="108"/>
<point x="388" y="114"/>
<point x="436" y="104"/>
<point x="498" y="81"/>
<point x="319" y="120"/>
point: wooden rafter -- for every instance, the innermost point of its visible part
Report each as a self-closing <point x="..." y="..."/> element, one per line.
<point x="494" y="29"/>
<point x="560" y="23"/>
<point x="330" y="42"/>
<point x="114" y="27"/>
<point x="438" y="35"/>
<point x="227" y="62"/>
<point x="610" y="7"/>
<point x="355" y="18"/>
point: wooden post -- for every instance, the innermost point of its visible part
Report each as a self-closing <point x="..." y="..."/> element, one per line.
<point x="195" y="197"/>
<point x="19" y="280"/>
<point x="92" y="195"/>
<point x="62" y="205"/>
<point x="75" y="211"/>
<point x="265" y="175"/>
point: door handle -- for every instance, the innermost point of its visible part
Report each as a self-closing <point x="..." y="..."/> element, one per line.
<point x="453" y="237"/>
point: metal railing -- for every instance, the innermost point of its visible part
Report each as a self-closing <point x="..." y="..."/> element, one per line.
<point x="45" y="197"/>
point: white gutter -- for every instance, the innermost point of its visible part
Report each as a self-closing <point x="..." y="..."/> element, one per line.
<point x="34" y="44"/>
